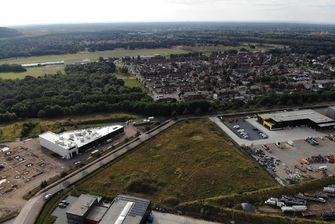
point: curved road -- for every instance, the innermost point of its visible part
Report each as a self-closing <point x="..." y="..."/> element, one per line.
<point x="33" y="207"/>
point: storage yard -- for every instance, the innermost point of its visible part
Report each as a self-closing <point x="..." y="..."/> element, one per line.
<point x="299" y="160"/>
<point x="319" y="204"/>
<point x="292" y="146"/>
<point x="24" y="165"/>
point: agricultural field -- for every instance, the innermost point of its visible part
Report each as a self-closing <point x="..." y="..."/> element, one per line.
<point x="12" y="131"/>
<point x="192" y="160"/>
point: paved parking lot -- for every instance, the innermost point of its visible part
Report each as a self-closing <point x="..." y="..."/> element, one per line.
<point x="60" y="213"/>
<point x="283" y="135"/>
<point x="252" y="131"/>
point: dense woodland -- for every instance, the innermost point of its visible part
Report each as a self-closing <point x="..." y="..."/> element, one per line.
<point x="7" y="32"/>
<point x="12" y="68"/>
<point x="85" y="89"/>
<point x="315" y="39"/>
<point x="101" y="66"/>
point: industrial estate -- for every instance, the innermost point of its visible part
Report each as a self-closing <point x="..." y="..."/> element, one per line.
<point x="168" y="124"/>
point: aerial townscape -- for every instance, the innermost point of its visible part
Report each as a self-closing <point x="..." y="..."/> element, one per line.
<point x="167" y="112"/>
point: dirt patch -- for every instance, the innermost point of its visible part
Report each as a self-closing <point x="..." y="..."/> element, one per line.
<point x="197" y="138"/>
<point x="25" y="166"/>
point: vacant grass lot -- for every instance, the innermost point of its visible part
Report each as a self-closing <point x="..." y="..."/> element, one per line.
<point x="192" y="160"/>
<point x="12" y="131"/>
<point x="130" y="80"/>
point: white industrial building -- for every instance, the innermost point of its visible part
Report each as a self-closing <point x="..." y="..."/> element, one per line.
<point x="69" y="144"/>
<point x="42" y="64"/>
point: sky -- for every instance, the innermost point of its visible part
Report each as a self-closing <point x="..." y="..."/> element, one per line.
<point x="24" y="12"/>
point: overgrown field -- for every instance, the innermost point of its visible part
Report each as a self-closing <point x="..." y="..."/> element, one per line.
<point x="34" y="127"/>
<point x="192" y="160"/>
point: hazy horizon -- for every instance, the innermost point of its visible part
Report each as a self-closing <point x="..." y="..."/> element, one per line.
<point x="38" y="12"/>
<point x="169" y="22"/>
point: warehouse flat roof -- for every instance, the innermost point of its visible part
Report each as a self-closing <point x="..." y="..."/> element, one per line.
<point x="96" y="213"/>
<point x="299" y="115"/>
<point x="79" y="138"/>
<point x="126" y="210"/>
<point x="81" y="206"/>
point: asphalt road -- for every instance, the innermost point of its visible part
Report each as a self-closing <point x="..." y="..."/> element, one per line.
<point x="32" y="208"/>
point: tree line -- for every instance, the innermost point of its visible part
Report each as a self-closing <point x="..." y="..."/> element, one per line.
<point x="90" y="88"/>
<point x="300" y="39"/>
<point x="11" y="68"/>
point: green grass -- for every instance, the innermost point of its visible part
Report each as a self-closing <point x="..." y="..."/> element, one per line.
<point x="12" y="131"/>
<point x="35" y="72"/>
<point x="130" y="81"/>
<point x="192" y="160"/>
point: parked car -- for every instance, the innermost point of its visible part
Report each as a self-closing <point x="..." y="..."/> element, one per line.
<point x="62" y="205"/>
<point x="65" y="202"/>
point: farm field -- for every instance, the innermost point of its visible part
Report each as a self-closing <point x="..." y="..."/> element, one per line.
<point x="12" y="131"/>
<point x="192" y="160"/>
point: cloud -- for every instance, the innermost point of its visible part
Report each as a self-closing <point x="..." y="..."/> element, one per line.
<point x="75" y="11"/>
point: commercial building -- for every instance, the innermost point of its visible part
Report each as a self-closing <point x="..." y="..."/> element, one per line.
<point x="79" y="210"/>
<point x="88" y="209"/>
<point x="69" y="144"/>
<point x="284" y="119"/>
<point x="127" y="210"/>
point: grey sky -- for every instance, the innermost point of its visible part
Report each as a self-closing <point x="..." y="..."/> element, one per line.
<point x="18" y="12"/>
